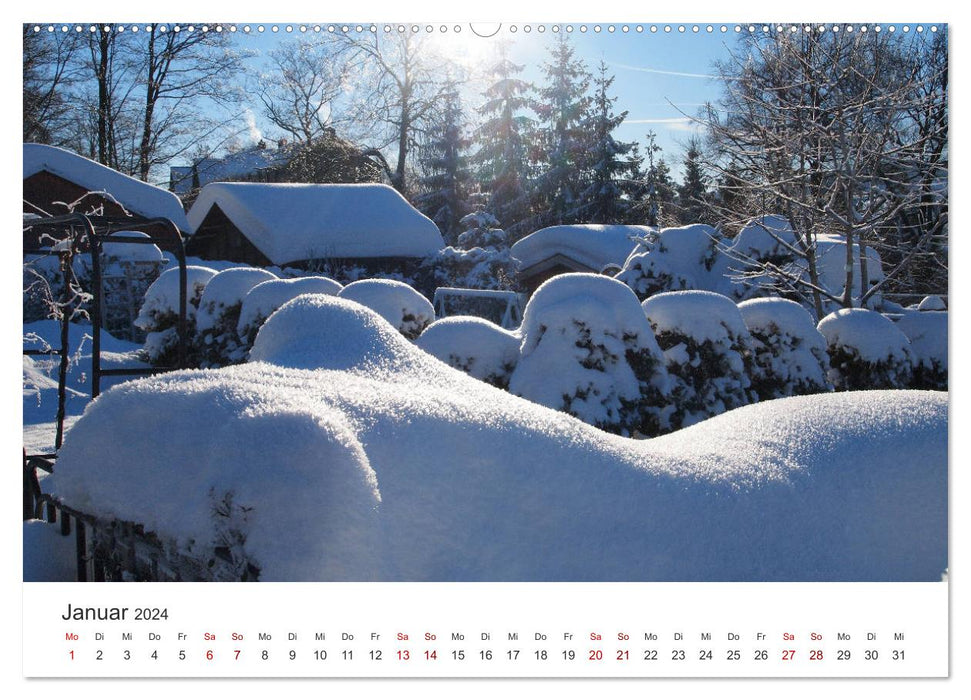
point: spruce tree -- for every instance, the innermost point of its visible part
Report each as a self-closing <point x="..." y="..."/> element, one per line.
<point x="563" y="144"/>
<point x="613" y="169"/>
<point x="662" y="195"/>
<point x="447" y="179"/>
<point x="501" y="160"/>
<point x="653" y="192"/>
<point x="693" y="196"/>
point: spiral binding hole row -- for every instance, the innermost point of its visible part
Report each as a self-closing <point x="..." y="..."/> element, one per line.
<point x="511" y="28"/>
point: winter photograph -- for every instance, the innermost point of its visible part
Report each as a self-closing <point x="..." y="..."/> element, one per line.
<point x="553" y="302"/>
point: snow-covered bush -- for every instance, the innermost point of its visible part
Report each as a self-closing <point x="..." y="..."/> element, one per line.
<point x="474" y="345"/>
<point x="481" y="259"/>
<point x="481" y="231"/>
<point x="359" y="457"/>
<point x="789" y="353"/>
<point x="696" y="257"/>
<point x="708" y="352"/>
<point x="322" y="331"/>
<point x="588" y="350"/>
<point x="932" y="303"/>
<point x="927" y="332"/>
<point x="217" y="341"/>
<point x="765" y="239"/>
<point x="126" y="252"/>
<point x="866" y="351"/>
<point x="686" y="257"/>
<point x="159" y="314"/>
<point x="400" y="305"/>
<point x="266" y="297"/>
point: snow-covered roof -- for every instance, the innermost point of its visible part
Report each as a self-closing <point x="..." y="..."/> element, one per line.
<point x="234" y="165"/>
<point x="134" y="195"/>
<point x="591" y="245"/>
<point x="293" y="222"/>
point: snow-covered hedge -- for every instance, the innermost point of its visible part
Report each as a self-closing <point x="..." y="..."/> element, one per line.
<point x="266" y="297"/>
<point x="218" y="314"/>
<point x="708" y="352"/>
<point x="866" y="351"/>
<point x="398" y="303"/>
<point x="697" y="257"/>
<point x="297" y="336"/>
<point x="120" y="253"/>
<point x="159" y="314"/>
<point x="765" y="239"/>
<point x="932" y="303"/>
<point x="588" y="350"/>
<point x="789" y="353"/>
<point x="474" y="345"/>
<point x="686" y="257"/>
<point x="927" y="333"/>
<point x="366" y="459"/>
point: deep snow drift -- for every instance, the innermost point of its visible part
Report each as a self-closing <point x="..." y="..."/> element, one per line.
<point x="363" y="457"/>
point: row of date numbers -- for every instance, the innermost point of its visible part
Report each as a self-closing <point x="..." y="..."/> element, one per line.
<point x="539" y="655"/>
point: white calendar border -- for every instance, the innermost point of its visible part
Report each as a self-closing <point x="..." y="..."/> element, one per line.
<point x="509" y="10"/>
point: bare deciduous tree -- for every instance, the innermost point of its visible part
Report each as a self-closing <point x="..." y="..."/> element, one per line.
<point x="49" y="73"/>
<point x="181" y="69"/>
<point x="399" y="84"/>
<point x="844" y="134"/>
<point x="298" y="94"/>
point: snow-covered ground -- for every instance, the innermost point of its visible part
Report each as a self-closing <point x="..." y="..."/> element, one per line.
<point x="40" y="377"/>
<point x="361" y="457"/>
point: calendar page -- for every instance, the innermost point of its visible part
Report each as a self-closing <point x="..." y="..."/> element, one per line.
<point x="519" y="350"/>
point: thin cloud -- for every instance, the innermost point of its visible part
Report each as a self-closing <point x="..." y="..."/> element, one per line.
<point x="672" y="123"/>
<point x="658" y="71"/>
<point x="671" y="120"/>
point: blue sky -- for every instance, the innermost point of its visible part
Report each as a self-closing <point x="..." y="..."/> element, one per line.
<point x="659" y="77"/>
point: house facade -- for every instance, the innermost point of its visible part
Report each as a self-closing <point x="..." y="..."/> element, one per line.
<point x="57" y="181"/>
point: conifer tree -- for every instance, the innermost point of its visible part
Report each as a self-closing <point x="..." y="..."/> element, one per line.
<point x="613" y="166"/>
<point x="662" y="196"/>
<point x="563" y="143"/>
<point x="447" y="179"/>
<point x="501" y="160"/>
<point x="654" y="194"/>
<point x="693" y="196"/>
